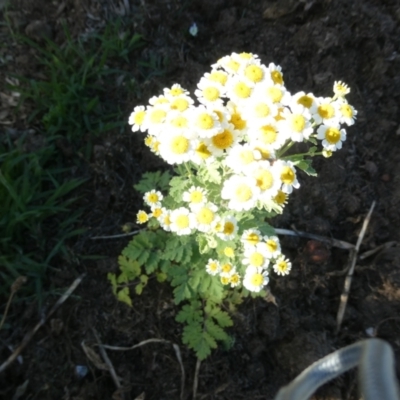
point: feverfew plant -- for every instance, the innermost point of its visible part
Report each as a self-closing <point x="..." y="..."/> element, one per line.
<point x="207" y="226"/>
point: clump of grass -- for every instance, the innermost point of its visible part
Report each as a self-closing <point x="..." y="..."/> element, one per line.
<point x="36" y="216"/>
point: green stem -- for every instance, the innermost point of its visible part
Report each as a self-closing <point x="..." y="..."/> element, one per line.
<point x="285" y="149"/>
<point x="317" y="153"/>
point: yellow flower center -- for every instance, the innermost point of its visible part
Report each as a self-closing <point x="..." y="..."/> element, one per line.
<point x="237" y="121"/>
<point x="326" y="111"/>
<point x="157" y="212"/>
<point x="346" y="111"/>
<point x="282" y="266"/>
<point x="297" y="122"/>
<point x="256" y="259"/>
<point x="179" y="145"/>
<point x="226" y="268"/>
<point x="287" y="175"/>
<point x="271" y="245"/>
<point x="148" y="141"/>
<point x="264" y="179"/>
<point x="245" y="56"/>
<point x="252" y="239"/>
<point x="229" y="228"/>
<point x="218" y="76"/>
<point x="243" y="193"/>
<point x="275" y="94"/>
<point x="196" y="196"/>
<point x="202" y="151"/>
<point x="229" y="252"/>
<point x="182" y="221"/>
<point x="225" y="280"/>
<point x="157" y="116"/>
<point x="205" y="216"/>
<point x="254" y="73"/>
<point x="142" y="217"/>
<point x="180" y="122"/>
<point x="305" y="101"/>
<point x="167" y="220"/>
<point x="233" y="65"/>
<point x="234" y="279"/>
<point x="280" y="198"/>
<point x="211" y="93"/>
<point x="241" y="90"/>
<point x="257" y="280"/>
<point x="268" y="134"/>
<point x="205" y="121"/>
<point x="223" y="140"/>
<point x="152" y="198"/>
<point x="180" y="104"/>
<point x="262" y="110"/>
<point x="139" y="117"/>
<point x="277" y="77"/>
<point x="213" y="266"/>
<point x="332" y="135"/>
<point x="176" y="92"/>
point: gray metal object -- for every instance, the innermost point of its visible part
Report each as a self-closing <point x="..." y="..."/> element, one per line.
<point x="376" y="373"/>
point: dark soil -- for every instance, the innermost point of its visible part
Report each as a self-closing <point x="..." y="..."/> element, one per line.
<point x="315" y="42"/>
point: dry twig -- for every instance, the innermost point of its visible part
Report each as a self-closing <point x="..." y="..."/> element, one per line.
<point x="333" y="242"/>
<point x="176" y="349"/>
<point x="196" y="378"/>
<point x="30" y="335"/>
<point x="352" y="262"/>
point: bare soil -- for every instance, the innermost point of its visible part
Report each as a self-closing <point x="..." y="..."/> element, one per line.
<point x="315" y="42"/>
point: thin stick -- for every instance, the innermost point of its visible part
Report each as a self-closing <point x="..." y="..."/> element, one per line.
<point x="107" y="360"/>
<point x="144" y="342"/>
<point x="116" y="236"/>
<point x="30" y="335"/>
<point x="383" y="246"/>
<point x="334" y="242"/>
<point x="14" y="289"/>
<point x="352" y="261"/>
<point x="196" y="378"/>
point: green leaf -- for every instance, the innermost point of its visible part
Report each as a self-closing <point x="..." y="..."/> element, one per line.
<point x="222" y="317"/>
<point x="190" y="313"/>
<point x="203" y="244"/>
<point x="178" y="185"/>
<point x="153" y="180"/>
<point x="312" y="140"/>
<point x="197" y="339"/>
<point x="161" y="277"/>
<point x="113" y="280"/>
<point x="266" y="229"/>
<point x="210" y="173"/>
<point x="215" y="331"/>
<point x="305" y="165"/>
<point x="123" y="295"/>
<point x="130" y="268"/>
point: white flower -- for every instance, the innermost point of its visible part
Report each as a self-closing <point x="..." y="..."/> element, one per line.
<point x="242" y="192"/>
<point x="136" y="119"/>
<point x="181" y="103"/>
<point x="155" y="119"/>
<point x="142" y="217"/>
<point x="176" y="91"/>
<point x="205" y="217"/>
<point x="282" y="266"/>
<point x="227" y="270"/>
<point x="253" y="72"/>
<point x="165" y="219"/>
<point x="196" y="196"/>
<point x="223" y="141"/>
<point x="273" y="246"/>
<point x="259" y="111"/>
<point x="153" y="198"/>
<point x="347" y="113"/>
<point x="178" y="122"/>
<point x="251" y="237"/>
<point x="340" y="89"/>
<point x="242" y="157"/>
<point x="202" y="153"/>
<point x="276" y="74"/>
<point x="267" y="179"/>
<point x="326" y="111"/>
<point x="288" y="177"/>
<point x="156" y="211"/>
<point x="255" y="279"/>
<point x="331" y="136"/>
<point x="160" y="101"/>
<point x="239" y="90"/>
<point x="217" y="76"/>
<point x="234" y="279"/>
<point x="227" y="228"/>
<point x="209" y="93"/>
<point x="305" y="100"/>
<point x="296" y="124"/>
<point x="182" y="221"/>
<point x="213" y="267"/>
<point x="176" y="148"/>
<point x="256" y="256"/>
<point x="205" y="122"/>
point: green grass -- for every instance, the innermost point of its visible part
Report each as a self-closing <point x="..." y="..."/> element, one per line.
<point x="78" y="97"/>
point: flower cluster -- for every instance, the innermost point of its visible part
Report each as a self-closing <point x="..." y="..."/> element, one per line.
<point x="243" y="123"/>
